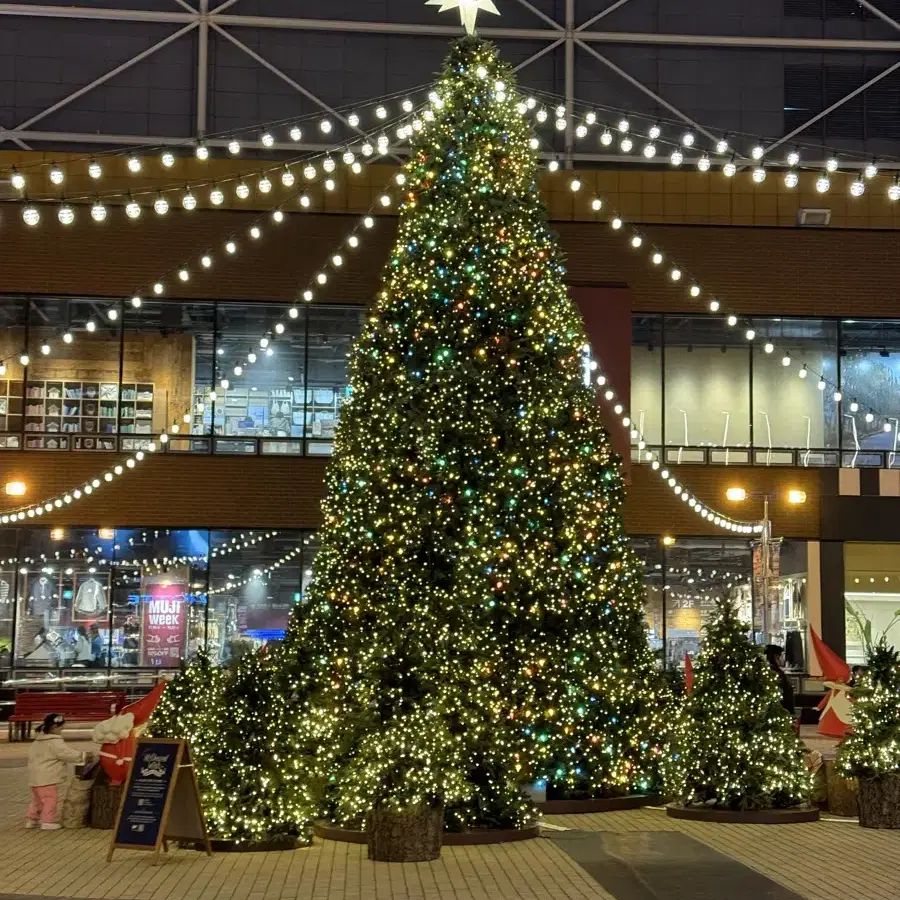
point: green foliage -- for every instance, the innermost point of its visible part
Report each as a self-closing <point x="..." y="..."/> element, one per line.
<point x="873" y="748"/>
<point x="190" y="708"/>
<point x="476" y="618"/>
<point x="734" y="745"/>
<point x="474" y="564"/>
<point x="231" y="719"/>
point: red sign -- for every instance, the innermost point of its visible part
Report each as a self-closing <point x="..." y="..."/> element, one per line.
<point x="164" y="613"/>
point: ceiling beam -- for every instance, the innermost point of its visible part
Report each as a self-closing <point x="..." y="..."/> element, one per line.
<point x="27" y="10"/>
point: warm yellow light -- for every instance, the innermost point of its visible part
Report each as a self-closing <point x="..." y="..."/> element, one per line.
<point x="737" y="494"/>
<point x="106" y="534"/>
<point x="57" y="534"/>
<point x="668" y="540"/>
<point x="796" y="497"/>
<point x="15" y="488"/>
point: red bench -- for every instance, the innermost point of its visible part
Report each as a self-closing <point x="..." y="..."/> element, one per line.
<point x="76" y="706"/>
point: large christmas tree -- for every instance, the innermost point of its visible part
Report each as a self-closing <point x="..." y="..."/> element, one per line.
<point x="734" y="744"/>
<point x="474" y="572"/>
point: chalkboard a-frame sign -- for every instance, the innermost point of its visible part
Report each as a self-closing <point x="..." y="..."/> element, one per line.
<point x="161" y="801"/>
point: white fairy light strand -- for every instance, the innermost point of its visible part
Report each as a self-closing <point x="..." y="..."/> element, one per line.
<point x="704" y="510"/>
<point x="732" y="320"/>
<point x="233" y="141"/>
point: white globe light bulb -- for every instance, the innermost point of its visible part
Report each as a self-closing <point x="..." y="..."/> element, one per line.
<point x="202" y="152"/>
<point x="729" y="170"/>
<point x="267" y="139"/>
<point x="893" y="192"/>
<point x="167" y="159"/>
<point x="649" y="151"/>
<point x="721" y="146"/>
<point x="94" y="169"/>
<point x="287" y="178"/>
<point x="758" y="152"/>
<point x="98" y="212"/>
<point x="234" y="147"/>
<point x="688" y="139"/>
<point x="134" y="164"/>
<point x="31" y="216"/>
<point x="265" y="185"/>
<point x="791" y="179"/>
<point x="57" y="176"/>
<point x="832" y="164"/>
<point x="133" y="209"/>
<point x="626" y="145"/>
<point x="66" y="214"/>
<point x="857" y="188"/>
<point x="793" y="158"/>
<point x="216" y="196"/>
<point x="296" y="133"/>
<point x="677" y="157"/>
<point x="823" y="184"/>
<point x="161" y="206"/>
<point x="189" y="201"/>
<point x="17" y="179"/>
<point x="759" y="174"/>
<point x="242" y="190"/>
<point x="871" y="170"/>
<point x="704" y="163"/>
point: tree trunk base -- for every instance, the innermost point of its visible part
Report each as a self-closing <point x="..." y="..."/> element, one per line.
<point x="105" y="800"/>
<point x="879" y="801"/>
<point x="415" y="835"/>
<point x="842" y="792"/>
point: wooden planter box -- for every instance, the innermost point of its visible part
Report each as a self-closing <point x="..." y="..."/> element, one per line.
<point x="879" y="801"/>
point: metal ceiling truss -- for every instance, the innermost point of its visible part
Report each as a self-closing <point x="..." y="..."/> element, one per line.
<point x="220" y="16"/>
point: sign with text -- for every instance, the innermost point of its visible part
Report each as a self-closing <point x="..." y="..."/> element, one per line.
<point x="164" y="614"/>
<point x="160" y="801"/>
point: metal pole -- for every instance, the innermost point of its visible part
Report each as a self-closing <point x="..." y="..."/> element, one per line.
<point x="570" y="81"/>
<point x="202" y="67"/>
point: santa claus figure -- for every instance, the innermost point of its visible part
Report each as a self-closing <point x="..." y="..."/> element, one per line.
<point x="836" y="709"/>
<point x="118" y="736"/>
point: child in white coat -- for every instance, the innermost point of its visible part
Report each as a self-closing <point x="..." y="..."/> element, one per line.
<point x="48" y="767"/>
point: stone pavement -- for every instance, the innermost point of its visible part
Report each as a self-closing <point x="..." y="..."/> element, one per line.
<point x="829" y="860"/>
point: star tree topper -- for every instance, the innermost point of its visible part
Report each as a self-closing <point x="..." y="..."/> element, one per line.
<point x="468" y="10"/>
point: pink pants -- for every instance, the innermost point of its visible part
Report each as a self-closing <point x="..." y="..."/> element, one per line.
<point x="43" y="804"/>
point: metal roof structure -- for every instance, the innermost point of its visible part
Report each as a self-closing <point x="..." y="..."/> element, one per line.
<point x="154" y="72"/>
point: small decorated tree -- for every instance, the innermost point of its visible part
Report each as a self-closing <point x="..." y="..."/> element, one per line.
<point x="734" y="745"/>
<point x="871" y="753"/>
<point x="190" y="708"/>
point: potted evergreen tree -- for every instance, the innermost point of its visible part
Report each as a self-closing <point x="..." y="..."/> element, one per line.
<point x="735" y="756"/>
<point x="871" y="753"/>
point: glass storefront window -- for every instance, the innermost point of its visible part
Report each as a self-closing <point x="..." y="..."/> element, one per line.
<point x="698" y="571"/>
<point x="267" y="391"/>
<point x="872" y="595"/>
<point x="255" y="578"/>
<point x="707" y="386"/>
<point x="650" y="553"/>
<point x="870" y="376"/>
<point x="13" y="319"/>
<point x="100" y="601"/>
<point x="167" y="366"/>
<point x="646" y="377"/>
<point x="331" y="334"/>
<point x="72" y="388"/>
<point x="789" y="410"/>
<point x="236" y="377"/>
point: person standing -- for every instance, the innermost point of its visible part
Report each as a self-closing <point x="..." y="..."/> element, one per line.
<point x="83" y="653"/>
<point x="776" y="659"/>
<point x="48" y="767"/>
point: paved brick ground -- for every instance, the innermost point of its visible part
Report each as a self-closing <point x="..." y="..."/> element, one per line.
<point x="823" y="861"/>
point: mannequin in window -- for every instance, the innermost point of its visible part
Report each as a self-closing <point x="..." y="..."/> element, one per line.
<point x="91" y="597"/>
<point x="41" y="599"/>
